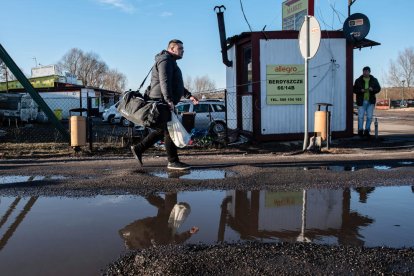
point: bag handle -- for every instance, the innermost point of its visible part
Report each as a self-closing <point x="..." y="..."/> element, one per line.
<point x="142" y="83"/>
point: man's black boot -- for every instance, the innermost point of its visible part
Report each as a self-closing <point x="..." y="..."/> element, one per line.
<point x="136" y="151"/>
<point x="360" y="133"/>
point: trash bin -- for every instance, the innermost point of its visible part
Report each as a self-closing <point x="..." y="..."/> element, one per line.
<point x="77" y="131"/>
<point x="188" y="120"/>
<point x="77" y="128"/>
<point x="320" y="128"/>
<point x="322" y="124"/>
<point x="58" y="113"/>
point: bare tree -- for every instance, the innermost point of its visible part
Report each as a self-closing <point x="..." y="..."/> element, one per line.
<point x="188" y="83"/>
<point x="203" y="84"/>
<point x="89" y="68"/>
<point x="71" y="61"/>
<point x="114" y="81"/>
<point x="92" y="70"/>
<point x="5" y="73"/>
<point x="402" y="69"/>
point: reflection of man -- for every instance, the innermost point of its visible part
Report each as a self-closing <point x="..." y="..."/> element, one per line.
<point x="161" y="229"/>
<point x="364" y="192"/>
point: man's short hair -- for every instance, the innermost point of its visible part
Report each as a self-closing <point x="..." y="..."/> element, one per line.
<point x="174" y="41"/>
<point x="366" y="68"/>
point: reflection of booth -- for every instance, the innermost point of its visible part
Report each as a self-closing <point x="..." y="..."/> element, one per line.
<point x="265" y="84"/>
<point x="292" y="216"/>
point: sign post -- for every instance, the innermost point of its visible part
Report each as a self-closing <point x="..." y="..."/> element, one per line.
<point x="309" y="40"/>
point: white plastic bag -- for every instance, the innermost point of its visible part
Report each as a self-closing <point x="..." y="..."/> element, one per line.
<point x="178" y="215"/>
<point x="178" y="133"/>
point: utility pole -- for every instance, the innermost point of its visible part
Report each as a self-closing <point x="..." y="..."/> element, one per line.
<point x="402" y="94"/>
<point x="350" y="2"/>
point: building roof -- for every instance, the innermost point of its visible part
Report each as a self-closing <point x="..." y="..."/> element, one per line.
<point x="365" y="43"/>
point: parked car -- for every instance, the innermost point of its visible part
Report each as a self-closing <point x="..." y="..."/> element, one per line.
<point x="208" y="114"/>
<point x="112" y="116"/>
<point x="410" y="103"/>
<point x="398" y="103"/>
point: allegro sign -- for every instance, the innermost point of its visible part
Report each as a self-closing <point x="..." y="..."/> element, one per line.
<point x="286" y="69"/>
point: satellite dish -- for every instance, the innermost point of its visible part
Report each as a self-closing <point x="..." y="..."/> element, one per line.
<point x="356" y="27"/>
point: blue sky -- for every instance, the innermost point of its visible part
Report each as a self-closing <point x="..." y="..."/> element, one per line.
<point x="126" y="34"/>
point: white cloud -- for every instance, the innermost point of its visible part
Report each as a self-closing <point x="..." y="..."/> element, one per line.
<point x="119" y="4"/>
<point x="166" y="14"/>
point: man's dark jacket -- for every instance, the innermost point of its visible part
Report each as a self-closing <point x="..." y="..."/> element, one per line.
<point x="166" y="79"/>
<point x="360" y="84"/>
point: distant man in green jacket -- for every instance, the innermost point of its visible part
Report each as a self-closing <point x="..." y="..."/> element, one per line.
<point x="365" y="88"/>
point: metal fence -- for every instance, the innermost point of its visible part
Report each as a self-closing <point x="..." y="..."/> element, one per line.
<point x="25" y="122"/>
<point x="37" y="128"/>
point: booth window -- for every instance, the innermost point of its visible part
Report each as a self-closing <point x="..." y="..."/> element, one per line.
<point x="247" y="70"/>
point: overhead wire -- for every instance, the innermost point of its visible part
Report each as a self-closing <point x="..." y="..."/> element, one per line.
<point x="333" y="65"/>
<point x="338" y="14"/>
<point x="245" y="18"/>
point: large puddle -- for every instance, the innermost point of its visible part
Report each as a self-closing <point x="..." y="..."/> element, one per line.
<point x="194" y="174"/>
<point x="13" y="179"/>
<point x="80" y="236"/>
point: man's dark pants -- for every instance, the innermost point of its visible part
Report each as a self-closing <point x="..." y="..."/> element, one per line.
<point x="160" y="131"/>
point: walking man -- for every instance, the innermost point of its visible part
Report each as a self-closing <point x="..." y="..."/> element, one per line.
<point x="365" y="88"/>
<point x="167" y="87"/>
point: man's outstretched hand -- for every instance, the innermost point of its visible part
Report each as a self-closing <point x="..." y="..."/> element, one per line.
<point x="193" y="230"/>
<point x="194" y="100"/>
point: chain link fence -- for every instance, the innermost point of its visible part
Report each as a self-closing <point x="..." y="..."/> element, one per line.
<point x="22" y="121"/>
<point x="239" y="117"/>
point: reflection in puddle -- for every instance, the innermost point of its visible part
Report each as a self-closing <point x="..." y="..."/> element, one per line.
<point x="348" y="168"/>
<point x="11" y="179"/>
<point x="195" y="174"/>
<point x="332" y="168"/>
<point x="161" y="229"/>
<point x="381" y="168"/>
<point x="406" y="163"/>
<point x="101" y="228"/>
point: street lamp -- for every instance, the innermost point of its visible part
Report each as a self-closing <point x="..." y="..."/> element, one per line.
<point x="402" y="94"/>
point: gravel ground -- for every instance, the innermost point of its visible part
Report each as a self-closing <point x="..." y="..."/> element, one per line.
<point x="265" y="259"/>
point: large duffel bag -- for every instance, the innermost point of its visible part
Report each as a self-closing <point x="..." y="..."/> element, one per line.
<point x="135" y="108"/>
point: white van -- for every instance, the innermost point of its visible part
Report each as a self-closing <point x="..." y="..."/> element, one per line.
<point x="18" y="106"/>
<point x="111" y="115"/>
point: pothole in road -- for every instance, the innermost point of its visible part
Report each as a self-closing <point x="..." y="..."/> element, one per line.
<point x="354" y="168"/>
<point x="38" y="227"/>
<point x="195" y="174"/>
<point x="12" y="179"/>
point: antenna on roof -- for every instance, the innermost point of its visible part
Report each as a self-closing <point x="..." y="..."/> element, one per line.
<point x="350" y="2"/>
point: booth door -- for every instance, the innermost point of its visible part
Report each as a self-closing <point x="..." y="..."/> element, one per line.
<point x="245" y="88"/>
